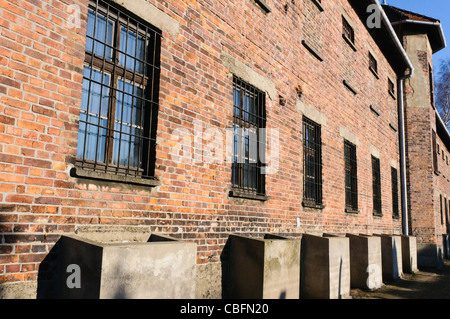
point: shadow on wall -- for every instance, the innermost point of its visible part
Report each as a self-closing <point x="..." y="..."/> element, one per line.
<point x="48" y="274"/>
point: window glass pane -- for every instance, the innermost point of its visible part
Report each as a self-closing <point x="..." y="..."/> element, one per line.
<point x="132" y="49"/>
<point x="93" y="115"/>
<point x="127" y="125"/>
<point x="103" y="35"/>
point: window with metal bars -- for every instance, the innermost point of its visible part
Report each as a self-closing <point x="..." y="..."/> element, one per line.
<point x="373" y="64"/>
<point x="391" y="88"/>
<point x="446" y="210"/>
<point x="351" y="177"/>
<point x="347" y="31"/>
<point x="435" y="154"/>
<point x="430" y="77"/>
<point x="376" y="186"/>
<point x="312" y="164"/>
<point x="249" y="140"/>
<point x="119" y="104"/>
<point x="441" y="209"/>
<point x="394" y="181"/>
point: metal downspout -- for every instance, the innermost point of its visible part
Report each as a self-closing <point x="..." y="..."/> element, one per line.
<point x="404" y="189"/>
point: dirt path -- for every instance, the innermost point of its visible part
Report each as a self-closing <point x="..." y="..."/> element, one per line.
<point x="426" y="284"/>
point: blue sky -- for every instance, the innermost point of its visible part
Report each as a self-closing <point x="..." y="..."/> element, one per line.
<point x="438" y="9"/>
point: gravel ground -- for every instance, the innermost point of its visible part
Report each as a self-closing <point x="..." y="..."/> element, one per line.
<point x="426" y="284"/>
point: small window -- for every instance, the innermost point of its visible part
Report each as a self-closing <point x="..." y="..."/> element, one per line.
<point x="119" y="102"/>
<point x="394" y="180"/>
<point x="312" y="163"/>
<point x="249" y="120"/>
<point x="446" y="211"/>
<point x="351" y="178"/>
<point x="431" y="80"/>
<point x="435" y="154"/>
<point x="373" y="64"/>
<point x="376" y="185"/>
<point x="347" y="31"/>
<point x="442" y="209"/>
<point x="391" y="88"/>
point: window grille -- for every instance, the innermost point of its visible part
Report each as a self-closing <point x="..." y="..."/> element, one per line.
<point x="351" y="178"/>
<point x="376" y="185"/>
<point x="119" y="104"/>
<point x="394" y="180"/>
<point x="312" y="163"/>
<point x="249" y="139"/>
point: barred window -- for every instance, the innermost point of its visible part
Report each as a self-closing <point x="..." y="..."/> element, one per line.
<point x="435" y="154"/>
<point x="394" y="180"/>
<point x="351" y="178"/>
<point x="249" y="140"/>
<point x="376" y="185"/>
<point x="347" y="31"/>
<point x="373" y="64"/>
<point x="391" y="88"/>
<point x="312" y="164"/>
<point x="119" y="103"/>
<point x="442" y="209"/>
<point x="446" y="210"/>
<point x="430" y="78"/>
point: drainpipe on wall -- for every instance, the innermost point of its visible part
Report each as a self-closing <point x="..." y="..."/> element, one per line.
<point x="404" y="190"/>
<point x="401" y="113"/>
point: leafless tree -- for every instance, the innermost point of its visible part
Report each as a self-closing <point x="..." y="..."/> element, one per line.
<point x="442" y="90"/>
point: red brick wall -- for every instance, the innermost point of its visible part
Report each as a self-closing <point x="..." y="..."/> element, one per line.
<point x="41" y="64"/>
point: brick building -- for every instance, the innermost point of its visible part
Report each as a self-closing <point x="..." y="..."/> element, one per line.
<point x="427" y="139"/>
<point x="201" y="119"/>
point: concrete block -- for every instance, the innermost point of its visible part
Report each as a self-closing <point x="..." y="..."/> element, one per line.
<point x="409" y="253"/>
<point x="161" y="268"/>
<point x="267" y="268"/>
<point x="325" y="267"/>
<point x="365" y="262"/>
<point x="430" y="255"/>
<point x="391" y="255"/>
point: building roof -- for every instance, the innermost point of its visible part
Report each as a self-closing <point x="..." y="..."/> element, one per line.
<point x="385" y="36"/>
<point x="407" y="21"/>
<point x="406" y="15"/>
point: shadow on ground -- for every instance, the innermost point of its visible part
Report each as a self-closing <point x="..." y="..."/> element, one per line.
<point x="426" y="284"/>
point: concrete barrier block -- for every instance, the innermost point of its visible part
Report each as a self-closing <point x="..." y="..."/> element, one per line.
<point x="325" y="268"/>
<point x="161" y="268"/>
<point x="267" y="268"/>
<point x="365" y="262"/>
<point x="391" y="254"/>
<point x="409" y="253"/>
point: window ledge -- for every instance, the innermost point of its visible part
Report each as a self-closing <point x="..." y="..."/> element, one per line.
<point x="264" y="6"/>
<point x="393" y="95"/>
<point x="374" y="110"/>
<point x="242" y="194"/>
<point x="350" y="87"/>
<point x="393" y="127"/>
<point x="312" y="205"/>
<point x="396" y="217"/>
<point x="350" y="43"/>
<point x="83" y="173"/>
<point x="374" y="73"/>
<point x="377" y="215"/>
<point x="312" y="50"/>
<point x="319" y="5"/>
<point x="352" y="211"/>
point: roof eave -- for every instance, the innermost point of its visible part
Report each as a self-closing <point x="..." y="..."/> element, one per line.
<point x="437" y="25"/>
